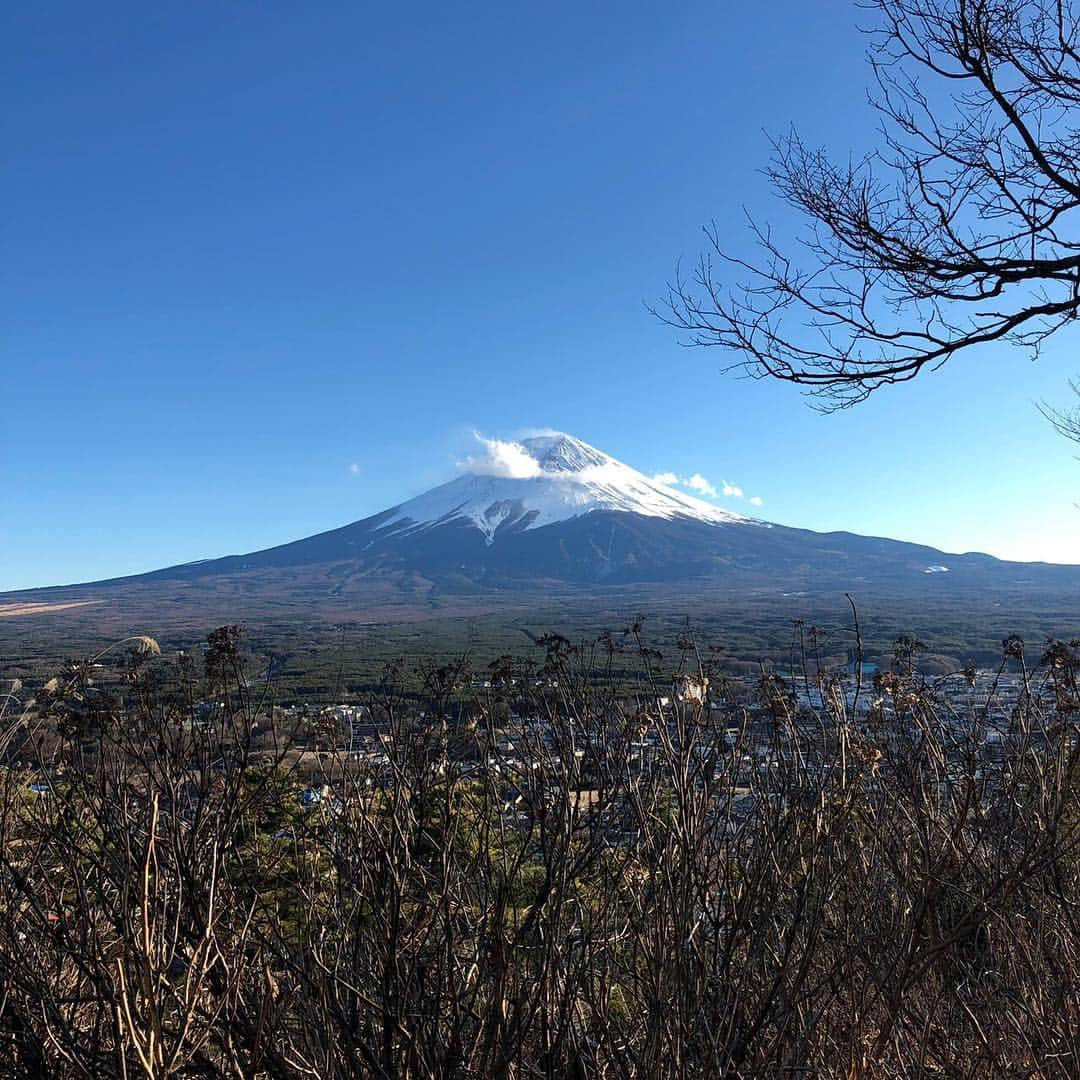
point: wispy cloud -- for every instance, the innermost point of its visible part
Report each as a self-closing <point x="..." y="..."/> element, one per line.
<point x="499" y="458"/>
<point x="756" y="500"/>
<point x="354" y="469"/>
<point x="699" y="484"/>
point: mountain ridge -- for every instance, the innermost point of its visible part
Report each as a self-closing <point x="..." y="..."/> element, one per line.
<point x="552" y="508"/>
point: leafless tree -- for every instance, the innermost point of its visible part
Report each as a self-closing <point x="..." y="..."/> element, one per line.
<point x="957" y="232"/>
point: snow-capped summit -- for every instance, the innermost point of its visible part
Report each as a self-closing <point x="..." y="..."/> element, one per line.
<point x="551" y="478"/>
<point x="563" y="453"/>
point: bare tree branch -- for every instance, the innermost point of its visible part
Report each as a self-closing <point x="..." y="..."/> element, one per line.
<point x="959" y="231"/>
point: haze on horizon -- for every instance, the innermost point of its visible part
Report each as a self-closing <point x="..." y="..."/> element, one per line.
<point x="267" y="269"/>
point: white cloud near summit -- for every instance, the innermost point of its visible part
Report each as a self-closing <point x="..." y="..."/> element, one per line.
<point x="499" y="458"/>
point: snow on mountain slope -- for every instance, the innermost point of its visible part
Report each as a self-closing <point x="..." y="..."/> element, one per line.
<point x="565" y="479"/>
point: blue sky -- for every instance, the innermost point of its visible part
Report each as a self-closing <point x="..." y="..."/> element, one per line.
<point x="247" y="247"/>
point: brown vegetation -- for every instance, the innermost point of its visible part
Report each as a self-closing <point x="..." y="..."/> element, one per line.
<point x="565" y="879"/>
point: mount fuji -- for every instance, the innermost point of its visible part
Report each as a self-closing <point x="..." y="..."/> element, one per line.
<point x="555" y="512"/>
<point x="557" y="477"/>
